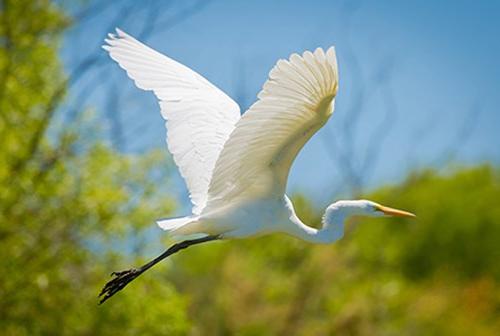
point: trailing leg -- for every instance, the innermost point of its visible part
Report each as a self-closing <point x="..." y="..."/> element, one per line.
<point x="123" y="278"/>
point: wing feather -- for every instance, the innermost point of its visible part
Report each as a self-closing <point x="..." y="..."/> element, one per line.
<point x="199" y="117"/>
<point x="294" y="103"/>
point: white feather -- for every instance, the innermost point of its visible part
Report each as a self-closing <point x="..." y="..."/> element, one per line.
<point x="236" y="169"/>
<point x="199" y="116"/>
<point x="294" y="103"/>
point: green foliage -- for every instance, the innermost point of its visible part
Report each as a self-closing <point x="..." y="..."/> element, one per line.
<point x="72" y="210"/>
<point x="64" y="213"/>
<point x="435" y="275"/>
<point x="457" y="227"/>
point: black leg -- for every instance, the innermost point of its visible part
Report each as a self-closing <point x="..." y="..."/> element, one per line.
<point x="121" y="279"/>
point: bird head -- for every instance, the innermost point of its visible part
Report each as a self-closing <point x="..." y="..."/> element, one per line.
<point x="367" y="208"/>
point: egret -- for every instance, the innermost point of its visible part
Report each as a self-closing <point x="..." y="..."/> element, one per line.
<point x="236" y="167"/>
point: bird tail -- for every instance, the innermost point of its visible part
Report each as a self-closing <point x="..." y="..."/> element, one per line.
<point x="172" y="224"/>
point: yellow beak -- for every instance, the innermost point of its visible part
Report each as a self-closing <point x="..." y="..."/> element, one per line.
<point x="395" y="212"/>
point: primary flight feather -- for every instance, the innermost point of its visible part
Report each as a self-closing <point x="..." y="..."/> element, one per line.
<point x="236" y="168"/>
<point x="199" y="116"/>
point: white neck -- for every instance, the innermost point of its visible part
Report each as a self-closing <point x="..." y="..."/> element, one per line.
<point x="332" y="230"/>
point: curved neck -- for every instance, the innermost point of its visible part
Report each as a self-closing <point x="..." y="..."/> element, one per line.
<point x="332" y="230"/>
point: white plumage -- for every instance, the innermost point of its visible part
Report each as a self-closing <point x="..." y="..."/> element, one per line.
<point x="235" y="168"/>
<point x="294" y="103"/>
<point x="198" y="115"/>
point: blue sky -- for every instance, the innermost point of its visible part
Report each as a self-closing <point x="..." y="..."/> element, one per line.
<point x="424" y="76"/>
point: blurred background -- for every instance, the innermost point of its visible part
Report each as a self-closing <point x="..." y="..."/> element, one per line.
<point x="84" y="171"/>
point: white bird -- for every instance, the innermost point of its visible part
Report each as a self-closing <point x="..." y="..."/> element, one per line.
<point x="236" y="168"/>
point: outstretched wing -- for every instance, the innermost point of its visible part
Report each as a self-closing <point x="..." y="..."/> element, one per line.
<point x="294" y="103"/>
<point x="199" y="117"/>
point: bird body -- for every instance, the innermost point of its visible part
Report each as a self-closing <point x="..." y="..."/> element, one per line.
<point x="277" y="215"/>
<point x="239" y="219"/>
<point x="236" y="167"/>
<point x="252" y="218"/>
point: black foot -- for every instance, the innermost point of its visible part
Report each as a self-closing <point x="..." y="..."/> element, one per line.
<point x="120" y="280"/>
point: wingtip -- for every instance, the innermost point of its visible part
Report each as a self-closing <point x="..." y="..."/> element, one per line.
<point x="319" y="51"/>
<point x="121" y="33"/>
<point x="331" y="50"/>
<point x="331" y="56"/>
<point x="294" y="56"/>
<point x="110" y="38"/>
<point x="307" y="53"/>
